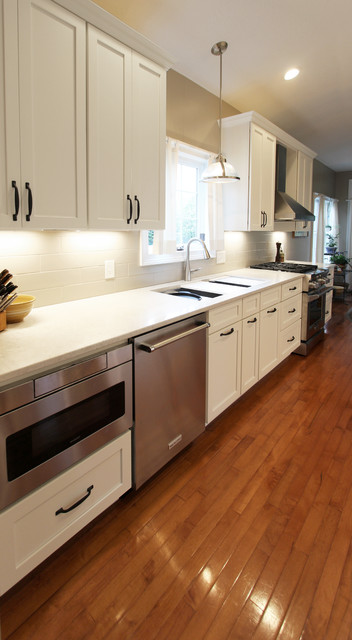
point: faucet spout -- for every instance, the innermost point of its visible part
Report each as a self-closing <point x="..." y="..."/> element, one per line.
<point x="188" y="270"/>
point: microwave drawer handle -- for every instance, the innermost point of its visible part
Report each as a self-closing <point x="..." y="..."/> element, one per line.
<point x="76" y="504"/>
<point x="145" y="346"/>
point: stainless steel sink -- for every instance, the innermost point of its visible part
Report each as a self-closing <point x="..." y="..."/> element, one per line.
<point x="188" y="292"/>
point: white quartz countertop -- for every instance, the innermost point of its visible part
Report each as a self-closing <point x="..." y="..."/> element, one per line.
<point x="57" y="335"/>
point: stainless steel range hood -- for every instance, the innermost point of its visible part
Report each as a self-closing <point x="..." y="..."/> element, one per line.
<point x="286" y="208"/>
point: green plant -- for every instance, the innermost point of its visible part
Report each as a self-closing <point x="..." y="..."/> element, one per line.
<point x="340" y="259"/>
<point x="331" y="240"/>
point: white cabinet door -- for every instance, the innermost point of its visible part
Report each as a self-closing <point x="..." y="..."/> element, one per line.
<point x="304" y="193"/>
<point x="109" y="113"/>
<point x="262" y="179"/>
<point x="146" y="155"/>
<point x="126" y="137"/>
<point x="268" y="340"/>
<point x="250" y="352"/>
<point x="52" y="83"/>
<point x="304" y="180"/>
<point x="249" y="204"/>
<point x="224" y="369"/>
<point x="9" y="116"/>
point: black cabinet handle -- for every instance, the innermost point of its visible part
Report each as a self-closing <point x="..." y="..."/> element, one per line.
<point x="17" y="200"/>
<point x="272" y="310"/>
<point x="293" y="289"/>
<point x="76" y="504"/>
<point x="291" y="339"/>
<point x="292" y="310"/>
<point x="30" y="201"/>
<point x="227" y="333"/>
<point x="130" y="216"/>
<point x="251" y="321"/>
<point x="138" y="210"/>
<point x="265" y="218"/>
<point x="262" y="223"/>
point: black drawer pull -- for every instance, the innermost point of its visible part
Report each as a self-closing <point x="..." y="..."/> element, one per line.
<point x="130" y="216"/>
<point x="291" y="339"/>
<point x="17" y="200"/>
<point x="292" y="310"/>
<point x="251" y="321"/>
<point x="138" y="210"/>
<point x="272" y="310"/>
<point x="293" y="289"/>
<point x="76" y="504"/>
<point x="30" y="201"/>
<point x="227" y="333"/>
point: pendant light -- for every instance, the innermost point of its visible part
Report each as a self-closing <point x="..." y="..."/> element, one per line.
<point x="220" y="170"/>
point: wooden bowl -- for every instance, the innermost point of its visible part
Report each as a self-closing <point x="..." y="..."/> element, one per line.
<point x="19" y="308"/>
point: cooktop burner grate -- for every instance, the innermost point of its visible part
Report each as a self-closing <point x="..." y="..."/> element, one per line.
<point x="295" y="267"/>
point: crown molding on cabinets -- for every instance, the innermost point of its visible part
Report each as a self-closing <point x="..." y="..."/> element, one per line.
<point x="95" y="15"/>
<point x="281" y="136"/>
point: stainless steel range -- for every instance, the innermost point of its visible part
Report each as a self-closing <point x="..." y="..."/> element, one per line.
<point x="315" y="287"/>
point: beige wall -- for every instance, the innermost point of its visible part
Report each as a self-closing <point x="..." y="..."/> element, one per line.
<point x="192" y="113"/>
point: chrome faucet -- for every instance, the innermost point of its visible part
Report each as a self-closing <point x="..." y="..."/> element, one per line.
<point x="188" y="270"/>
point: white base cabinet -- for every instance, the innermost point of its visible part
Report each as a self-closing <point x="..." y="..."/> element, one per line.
<point x="34" y="527"/>
<point x="250" y="348"/>
<point x="223" y="358"/>
<point x="248" y="339"/>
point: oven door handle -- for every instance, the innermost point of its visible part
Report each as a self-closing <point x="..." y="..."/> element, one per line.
<point x="316" y="296"/>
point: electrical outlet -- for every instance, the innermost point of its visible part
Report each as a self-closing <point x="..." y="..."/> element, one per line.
<point x="109" y="269"/>
<point x="220" y="257"/>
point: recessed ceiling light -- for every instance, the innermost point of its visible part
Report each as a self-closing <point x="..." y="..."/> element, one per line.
<point x="291" y="73"/>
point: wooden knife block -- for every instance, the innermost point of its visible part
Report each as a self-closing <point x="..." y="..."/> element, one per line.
<point x="2" y="320"/>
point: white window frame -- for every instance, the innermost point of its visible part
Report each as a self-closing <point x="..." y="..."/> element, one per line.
<point x="192" y="156"/>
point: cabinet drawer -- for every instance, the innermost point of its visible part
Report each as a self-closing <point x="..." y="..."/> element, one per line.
<point x="270" y="297"/>
<point x="224" y="315"/>
<point x="290" y="311"/>
<point x="34" y="527"/>
<point x="289" y="339"/>
<point x="251" y="304"/>
<point x="291" y="288"/>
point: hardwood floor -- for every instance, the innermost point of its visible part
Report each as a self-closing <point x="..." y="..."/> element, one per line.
<point x="247" y="534"/>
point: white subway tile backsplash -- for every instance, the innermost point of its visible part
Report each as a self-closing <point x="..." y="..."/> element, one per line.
<point x="58" y="266"/>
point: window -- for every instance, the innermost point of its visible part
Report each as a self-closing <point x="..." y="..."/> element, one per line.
<point x="326" y="222"/>
<point x="193" y="209"/>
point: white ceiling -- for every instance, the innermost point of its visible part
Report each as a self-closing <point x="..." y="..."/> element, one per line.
<point x="265" y="37"/>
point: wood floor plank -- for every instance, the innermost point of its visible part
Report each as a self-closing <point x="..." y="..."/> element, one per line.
<point x="245" y="535"/>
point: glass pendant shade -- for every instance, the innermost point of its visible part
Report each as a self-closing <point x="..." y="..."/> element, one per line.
<point x="220" y="170"/>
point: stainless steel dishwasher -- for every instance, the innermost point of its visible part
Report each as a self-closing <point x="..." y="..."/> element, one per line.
<point x="169" y="375"/>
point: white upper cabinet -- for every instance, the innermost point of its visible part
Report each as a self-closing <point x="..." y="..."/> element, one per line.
<point x="44" y="99"/>
<point x="109" y="107"/>
<point x="9" y="116"/>
<point x="249" y="203"/>
<point x="126" y="137"/>
<point x="148" y="150"/>
<point x="48" y="69"/>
